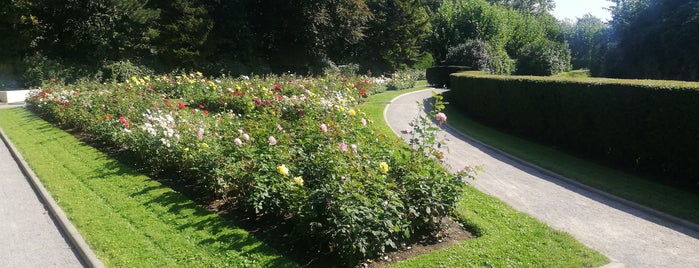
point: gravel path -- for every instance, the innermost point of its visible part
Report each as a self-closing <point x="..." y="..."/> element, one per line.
<point x="628" y="236"/>
<point x="28" y="235"/>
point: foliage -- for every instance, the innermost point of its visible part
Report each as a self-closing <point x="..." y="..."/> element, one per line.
<point x="544" y="58"/>
<point x="295" y="149"/>
<point x="423" y="62"/>
<point x="584" y="38"/>
<point x="394" y="35"/>
<point x="508" y="34"/>
<point x="39" y="68"/>
<point x="651" y="39"/>
<point x="631" y="123"/>
<point x="438" y="76"/>
<point x="403" y="80"/>
<point x="480" y="55"/>
<point x="534" y="7"/>
<point x="122" y="71"/>
<point x="181" y="32"/>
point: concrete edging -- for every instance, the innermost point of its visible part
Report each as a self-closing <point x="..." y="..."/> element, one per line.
<point x="86" y="254"/>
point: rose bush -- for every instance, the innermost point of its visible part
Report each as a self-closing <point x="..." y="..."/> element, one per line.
<point x="288" y="147"/>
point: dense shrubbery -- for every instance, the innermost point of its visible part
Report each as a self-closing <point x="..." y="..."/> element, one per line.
<point x="285" y="147"/>
<point x="646" y="125"/>
<point x="438" y="76"/>
<point x="482" y="56"/>
<point x="544" y="58"/>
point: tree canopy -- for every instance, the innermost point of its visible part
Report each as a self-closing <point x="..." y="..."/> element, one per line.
<point x="112" y="38"/>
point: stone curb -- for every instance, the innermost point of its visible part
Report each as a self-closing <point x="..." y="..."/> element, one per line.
<point x="87" y="256"/>
<point x="613" y="264"/>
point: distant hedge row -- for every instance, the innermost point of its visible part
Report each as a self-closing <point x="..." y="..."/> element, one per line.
<point x="438" y="76"/>
<point x="650" y="126"/>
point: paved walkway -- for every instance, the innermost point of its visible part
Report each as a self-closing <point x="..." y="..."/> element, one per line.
<point x="29" y="237"/>
<point x="624" y="234"/>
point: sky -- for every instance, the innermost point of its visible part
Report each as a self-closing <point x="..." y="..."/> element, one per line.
<point x="572" y="9"/>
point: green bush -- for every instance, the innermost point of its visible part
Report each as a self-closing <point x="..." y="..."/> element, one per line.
<point x="403" y="80"/>
<point x="646" y="125"/>
<point x="122" y="71"/>
<point x="294" y="149"/>
<point x="438" y="76"/>
<point x="39" y="68"/>
<point x="544" y="58"/>
<point x="423" y="62"/>
<point x="480" y="55"/>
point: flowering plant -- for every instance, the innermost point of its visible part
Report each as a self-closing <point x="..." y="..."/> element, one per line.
<point x="290" y="147"/>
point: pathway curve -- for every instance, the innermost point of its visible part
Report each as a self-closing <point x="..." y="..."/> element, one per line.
<point x="623" y="233"/>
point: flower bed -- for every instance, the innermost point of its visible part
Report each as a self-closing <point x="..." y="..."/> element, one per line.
<point x="293" y="148"/>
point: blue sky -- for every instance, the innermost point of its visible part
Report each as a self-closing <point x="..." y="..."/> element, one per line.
<point x="577" y="8"/>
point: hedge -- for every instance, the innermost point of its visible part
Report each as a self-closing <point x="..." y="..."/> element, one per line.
<point x="438" y="76"/>
<point x="651" y="126"/>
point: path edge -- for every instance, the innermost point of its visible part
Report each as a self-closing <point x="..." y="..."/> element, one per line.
<point x="656" y="213"/>
<point x="86" y="254"/>
<point x="650" y="211"/>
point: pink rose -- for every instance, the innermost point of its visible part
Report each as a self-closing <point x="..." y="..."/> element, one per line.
<point x="238" y="142"/>
<point x="272" y="141"/>
<point x="323" y="128"/>
<point x="441" y="118"/>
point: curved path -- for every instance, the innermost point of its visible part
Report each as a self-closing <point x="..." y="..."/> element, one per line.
<point x="628" y="236"/>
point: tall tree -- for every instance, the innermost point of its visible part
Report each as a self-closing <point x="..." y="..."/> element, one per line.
<point x="91" y="30"/>
<point x="584" y="38"/>
<point x="654" y="39"/>
<point x="395" y="35"/>
<point x="183" y="29"/>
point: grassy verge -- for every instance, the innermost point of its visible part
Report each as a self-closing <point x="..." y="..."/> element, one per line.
<point x="506" y="238"/>
<point x="375" y="105"/>
<point x="128" y="219"/>
<point x="661" y="197"/>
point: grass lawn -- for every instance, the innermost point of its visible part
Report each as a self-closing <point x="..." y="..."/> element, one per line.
<point x="676" y="202"/>
<point x="131" y="220"/>
<point x="128" y="219"/>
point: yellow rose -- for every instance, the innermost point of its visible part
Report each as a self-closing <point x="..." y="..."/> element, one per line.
<point x="298" y="181"/>
<point x="383" y="167"/>
<point x="283" y="170"/>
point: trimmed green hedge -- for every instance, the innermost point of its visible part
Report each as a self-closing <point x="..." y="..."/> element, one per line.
<point x="438" y="76"/>
<point x="651" y="126"/>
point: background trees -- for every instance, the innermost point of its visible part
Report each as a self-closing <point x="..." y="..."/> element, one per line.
<point x="112" y="39"/>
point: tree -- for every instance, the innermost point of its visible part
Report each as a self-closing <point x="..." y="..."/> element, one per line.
<point x="584" y="37"/>
<point x="395" y="35"/>
<point x="181" y="32"/>
<point x="653" y="39"/>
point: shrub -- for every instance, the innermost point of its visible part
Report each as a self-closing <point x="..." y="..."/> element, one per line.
<point x="295" y="149"/>
<point x="438" y="76"/>
<point x="123" y="70"/>
<point x="39" y="68"/>
<point x="645" y="125"/>
<point x="402" y="80"/>
<point x="480" y="55"/>
<point x="544" y="58"/>
<point x="423" y="62"/>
